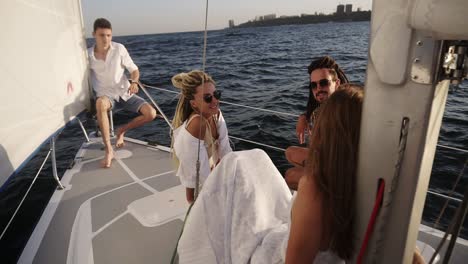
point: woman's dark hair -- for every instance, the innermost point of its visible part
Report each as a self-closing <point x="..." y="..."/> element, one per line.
<point x="325" y="62"/>
<point x="101" y="23"/>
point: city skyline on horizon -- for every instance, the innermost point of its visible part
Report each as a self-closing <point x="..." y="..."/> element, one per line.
<point x="142" y="17"/>
<point x="275" y="16"/>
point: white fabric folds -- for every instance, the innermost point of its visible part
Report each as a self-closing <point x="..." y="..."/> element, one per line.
<point x="241" y="215"/>
<point x="186" y="149"/>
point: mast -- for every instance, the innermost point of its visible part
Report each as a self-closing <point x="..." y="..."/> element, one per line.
<point x="405" y="93"/>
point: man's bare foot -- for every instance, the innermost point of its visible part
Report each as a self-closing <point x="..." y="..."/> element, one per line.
<point x="106" y="162"/>
<point x="120" y="138"/>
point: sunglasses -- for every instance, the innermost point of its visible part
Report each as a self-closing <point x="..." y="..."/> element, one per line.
<point x="322" y="83"/>
<point x="208" y="97"/>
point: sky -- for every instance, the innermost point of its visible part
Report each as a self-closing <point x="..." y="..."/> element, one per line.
<point x="135" y="17"/>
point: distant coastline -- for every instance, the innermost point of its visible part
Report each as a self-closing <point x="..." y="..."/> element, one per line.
<point x="309" y="19"/>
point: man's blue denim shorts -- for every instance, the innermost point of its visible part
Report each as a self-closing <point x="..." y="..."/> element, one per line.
<point x="133" y="104"/>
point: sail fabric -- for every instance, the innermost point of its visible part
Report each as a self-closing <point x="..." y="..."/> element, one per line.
<point x="44" y="75"/>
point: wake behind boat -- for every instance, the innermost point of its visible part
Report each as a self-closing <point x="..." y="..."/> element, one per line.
<point x="134" y="206"/>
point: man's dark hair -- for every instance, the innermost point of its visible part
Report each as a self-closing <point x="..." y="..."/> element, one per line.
<point x="101" y="23"/>
<point x="325" y="62"/>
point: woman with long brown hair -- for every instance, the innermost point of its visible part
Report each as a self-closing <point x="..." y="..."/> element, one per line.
<point x="325" y="198"/>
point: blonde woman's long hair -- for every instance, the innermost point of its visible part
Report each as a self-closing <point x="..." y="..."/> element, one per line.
<point x="187" y="83"/>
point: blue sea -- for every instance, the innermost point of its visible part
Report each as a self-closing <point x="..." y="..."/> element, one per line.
<point x="263" y="67"/>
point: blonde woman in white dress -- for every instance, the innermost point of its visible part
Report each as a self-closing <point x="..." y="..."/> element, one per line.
<point x="198" y="120"/>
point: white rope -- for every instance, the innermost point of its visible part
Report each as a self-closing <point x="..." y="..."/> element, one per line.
<point x="161" y="89"/>
<point x="257" y="143"/>
<point x="261" y="109"/>
<point x="452" y="148"/>
<point x="24" y="197"/>
<point x="444" y="196"/>
<point x="156" y="105"/>
<point x="279" y="113"/>
<point x="197" y="177"/>
<point x="229" y="103"/>
<point x="205" y="36"/>
<point x="452" y="191"/>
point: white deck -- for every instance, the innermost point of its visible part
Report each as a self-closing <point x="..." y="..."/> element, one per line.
<point x="130" y="213"/>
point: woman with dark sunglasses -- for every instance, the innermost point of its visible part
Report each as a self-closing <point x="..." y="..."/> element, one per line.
<point x="198" y="120"/>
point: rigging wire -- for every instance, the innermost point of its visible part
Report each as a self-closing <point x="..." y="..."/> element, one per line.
<point x="459" y="219"/>
<point x="230" y="103"/>
<point x="25" y="195"/>
<point x="258" y="143"/>
<point x="197" y="177"/>
<point x="293" y="115"/>
<point x="451" y="225"/>
<point x="56" y="135"/>
<point x="436" y="223"/>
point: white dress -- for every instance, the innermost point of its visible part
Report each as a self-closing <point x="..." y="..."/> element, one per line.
<point x="242" y="215"/>
<point x="186" y="150"/>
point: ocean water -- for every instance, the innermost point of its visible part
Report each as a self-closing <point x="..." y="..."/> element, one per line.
<point x="261" y="67"/>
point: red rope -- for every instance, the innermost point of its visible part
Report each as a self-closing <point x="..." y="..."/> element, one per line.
<point x="372" y="220"/>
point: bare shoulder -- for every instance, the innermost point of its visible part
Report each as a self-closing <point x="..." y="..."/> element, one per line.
<point x="197" y="127"/>
<point x="306" y="214"/>
<point x="307" y="190"/>
<point x="308" y="184"/>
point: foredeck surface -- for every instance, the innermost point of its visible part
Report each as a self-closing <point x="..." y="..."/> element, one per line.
<point x="131" y="212"/>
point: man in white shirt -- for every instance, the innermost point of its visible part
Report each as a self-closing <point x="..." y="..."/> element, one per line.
<point x="108" y="61"/>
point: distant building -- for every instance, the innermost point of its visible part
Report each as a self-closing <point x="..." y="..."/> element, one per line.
<point x="340" y="9"/>
<point x="270" y="16"/>
<point x="359" y="9"/>
<point x="231" y="23"/>
<point x="349" y="9"/>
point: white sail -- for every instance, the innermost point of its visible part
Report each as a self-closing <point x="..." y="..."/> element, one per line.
<point x="44" y="75"/>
